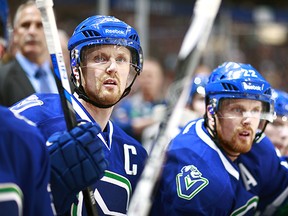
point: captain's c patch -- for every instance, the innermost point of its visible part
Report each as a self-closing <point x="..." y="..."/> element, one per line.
<point x="190" y="182"/>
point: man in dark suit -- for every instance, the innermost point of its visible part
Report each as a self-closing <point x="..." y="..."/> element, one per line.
<point x="30" y="71"/>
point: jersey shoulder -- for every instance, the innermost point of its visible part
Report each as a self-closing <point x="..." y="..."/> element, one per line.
<point x="44" y="110"/>
<point x="192" y="132"/>
<point x="263" y="147"/>
<point x="16" y="123"/>
<point x="47" y="105"/>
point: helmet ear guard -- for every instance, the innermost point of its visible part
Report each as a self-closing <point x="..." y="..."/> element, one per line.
<point x="212" y="106"/>
<point x="211" y="110"/>
<point x="209" y="116"/>
<point x="76" y="76"/>
<point x="75" y="68"/>
<point x="209" y="119"/>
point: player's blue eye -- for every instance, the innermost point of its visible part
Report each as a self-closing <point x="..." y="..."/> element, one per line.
<point x="237" y="110"/>
<point x="100" y="59"/>
<point x="121" y="59"/>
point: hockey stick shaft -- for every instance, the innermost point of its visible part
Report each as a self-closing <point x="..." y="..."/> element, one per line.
<point x="61" y="78"/>
<point x="55" y="51"/>
<point x="192" y="48"/>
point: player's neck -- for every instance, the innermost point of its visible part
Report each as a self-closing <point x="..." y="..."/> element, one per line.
<point x="100" y="115"/>
<point x="232" y="155"/>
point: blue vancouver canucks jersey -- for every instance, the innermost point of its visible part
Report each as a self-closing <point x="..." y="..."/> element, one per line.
<point x="198" y="179"/>
<point x="24" y="168"/>
<point x="126" y="156"/>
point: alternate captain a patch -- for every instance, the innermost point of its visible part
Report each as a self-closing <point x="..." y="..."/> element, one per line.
<point x="190" y="182"/>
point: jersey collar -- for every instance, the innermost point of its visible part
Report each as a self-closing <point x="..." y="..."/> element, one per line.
<point x="85" y="115"/>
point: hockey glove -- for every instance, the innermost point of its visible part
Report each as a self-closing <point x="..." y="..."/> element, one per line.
<point x="77" y="161"/>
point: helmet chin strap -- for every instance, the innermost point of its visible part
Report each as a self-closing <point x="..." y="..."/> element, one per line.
<point x="258" y="135"/>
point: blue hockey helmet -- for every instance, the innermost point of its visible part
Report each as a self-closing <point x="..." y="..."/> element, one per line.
<point x="101" y="30"/>
<point x="198" y="86"/>
<point x="239" y="81"/>
<point x="281" y="102"/>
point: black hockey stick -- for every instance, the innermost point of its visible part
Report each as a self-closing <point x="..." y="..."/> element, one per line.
<point x="62" y="81"/>
<point x="191" y="50"/>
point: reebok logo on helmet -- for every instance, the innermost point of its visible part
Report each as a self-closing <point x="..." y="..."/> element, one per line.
<point x="251" y="87"/>
<point x="115" y="31"/>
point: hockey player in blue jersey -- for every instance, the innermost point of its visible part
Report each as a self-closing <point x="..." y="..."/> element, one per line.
<point x="195" y="106"/>
<point x="24" y="168"/>
<point x="277" y="131"/>
<point x="106" y="58"/>
<point x="224" y="164"/>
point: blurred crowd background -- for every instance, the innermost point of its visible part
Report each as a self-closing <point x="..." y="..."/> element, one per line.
<point x="252" y="32"/>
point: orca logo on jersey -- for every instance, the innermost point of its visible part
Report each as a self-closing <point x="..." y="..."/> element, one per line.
<point x="190" y="182"/>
